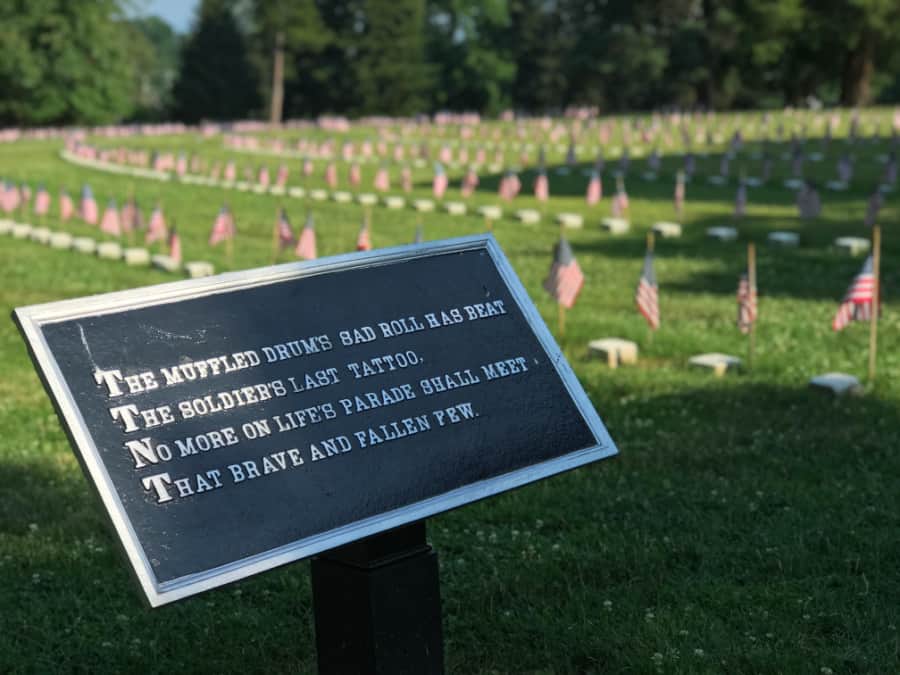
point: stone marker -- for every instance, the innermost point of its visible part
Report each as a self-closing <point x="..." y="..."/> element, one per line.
<point x="84" y="245"/>
<point x="136" y="257"/>
<point x="649" y="176"/>
<point x="853" y="245"/>
<point x="615" y="225"/>
<point x="277" y="190"/>
<point x="40" y="234"/>
<point x="367" y="199"/>
<point x="260" y="189"/>
<point x="561" y="171"/>
<point x="299" y="385"/>
<point x="716" y="180"/>
<point x="836" y="186"/>
<point x="423" y="205"/>
<point x="495" y="168"/>
<point x="722" y="233"/>
<point x="21" y="230"/>
<point x="341" y="196"/>
<point x="166" y="263"/>
<point x="615" y="350"/>
<point x="784" y="238"/>
<point x="793" y="183"/>
<point x="718" y="363"/>
<point x="570" y="220"/>
<point x="199" y="268"/>
<point x="109" y="250"/>
<point x="394" y="202"/>
<point x="529" y="216"/>
<point x="297" y="192"/>
<point x="318" y="195"/>
<point x="62" y="240"/>
<point x="836" y="383"/>
<point x="6" y="226"/>
<point x="667" y="230"/>
<point x="752" y="181"/>
<point x="455" y="208"/>
<point x="490" y="212"/>
<point x="242" y="186"/>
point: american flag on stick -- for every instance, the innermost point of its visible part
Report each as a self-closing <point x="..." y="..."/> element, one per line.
<point x="110" y="221"/>
<point x="174" y="245"/>
<point x="542" y="186"/>
<point x="647" y="294"/>
<point x="594" y="189"/>
<point x="306" y="246"/>
<point x="746" y="300"/>
<point x="439" y="183"/>
<point x="565" y="280"/>
<point x="156" y="230"/>
<point x="223" y="227"/>
<point x="42" y="202"/>
<point x="364" y="239"/>
<point x="858" y="301"/>
<point x="89" y="211"/>
<point x="285" y="231"/>
<point x="66" y="206"/>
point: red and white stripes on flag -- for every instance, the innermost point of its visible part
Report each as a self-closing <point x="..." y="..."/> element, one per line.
<point x="66" y="206"/>
<point x="285" y="231"/>
<point x="857" y="303"/>
<point x="647" y="294"/>
<point x="42" y="202"/>
<point x="594" y="189"/>
<point x="565" y="280"/>
<point x="542" y="187"/>
<point x="175" y="245"/>
<point x="306" y="246"/>
<point x="156" y="230"/>
<point x="746" y="300"/>
<point x="223" y="227"/>
<point x="110" y="222"/>
<point x="439" y="183"/>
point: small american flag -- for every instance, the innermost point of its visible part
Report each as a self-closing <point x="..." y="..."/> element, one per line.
<point x="355" y="175"/>
<point x="42" y="202"/>
<point x="306" y="247"/>
<point x="542" y="187"/>
<point x="89" y="211"/>
<point x="746" y="300"/>
<point x="406" y="179"/>
<point x="263" y="176"/>
<point x="382" y="179"/>
<point x="647" y="294"/>
<point x="175" y="245"/>
<point x="857" y="303"/>
<point x="223" y="227"/>
<point x="110" y="221"/>
<point x="282" y="178"/>
<point x="66" y="206"/>
<point x="230" y="172"/>
<point x="364" y="239"/>
<point x="565" y="280"/>
<point x="439" y="183"/>
<point x="594" y="189"/>
<point x="285" y="231"/>
<point x="679" y="193"/>
<point x="510" y="186"/>
<point x="156" y="230"/>
<point x="469" y="182"/>
<point x="331" y="176"/>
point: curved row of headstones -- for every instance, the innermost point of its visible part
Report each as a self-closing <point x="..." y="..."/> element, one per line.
<point x="108" y="250"/>
<point x="613" y="225"/>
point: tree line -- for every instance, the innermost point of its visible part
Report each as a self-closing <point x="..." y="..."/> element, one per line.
<point x="88" y="62"/>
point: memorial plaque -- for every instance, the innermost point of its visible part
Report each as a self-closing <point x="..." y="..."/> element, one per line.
<point x="235" y="423"/>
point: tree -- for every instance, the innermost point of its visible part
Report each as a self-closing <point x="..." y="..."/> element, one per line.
<point x="216" y="79"/>
<point x="391" y="70"/>
<point x="156" y="56"/>
<point x="64" y="62"/>
<point x="287" y="26"/>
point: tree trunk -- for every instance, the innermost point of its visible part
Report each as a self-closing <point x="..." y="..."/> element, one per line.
<point x="859" y="67"/>
<point x="277" y="103"/>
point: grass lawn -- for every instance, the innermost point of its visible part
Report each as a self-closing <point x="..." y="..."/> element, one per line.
<point x="748" y="526"/>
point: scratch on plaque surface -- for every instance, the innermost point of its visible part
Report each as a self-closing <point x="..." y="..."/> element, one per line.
<point x="159" y="333"/>
<point x="86" y="347"/>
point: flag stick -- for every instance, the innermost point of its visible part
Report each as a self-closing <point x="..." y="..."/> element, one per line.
<point x="651" y="240"/>
<point x="229" y="250"/>
<point x="488" y="224"/>
<point x="876" y="298"/>
<point x="275" y="241"/>
<point x="562" y="320"/>
<point x="751" y="281"/>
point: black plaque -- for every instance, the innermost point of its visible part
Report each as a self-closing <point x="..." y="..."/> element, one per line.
<point x="239" y="422"/>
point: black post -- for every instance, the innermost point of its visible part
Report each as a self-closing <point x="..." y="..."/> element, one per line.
<point x="378" y="606"/>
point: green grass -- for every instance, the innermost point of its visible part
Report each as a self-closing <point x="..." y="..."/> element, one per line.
<point x="748" y="526"/>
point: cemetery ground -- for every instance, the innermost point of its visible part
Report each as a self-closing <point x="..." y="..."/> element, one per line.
<point x="749" y="524"/>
